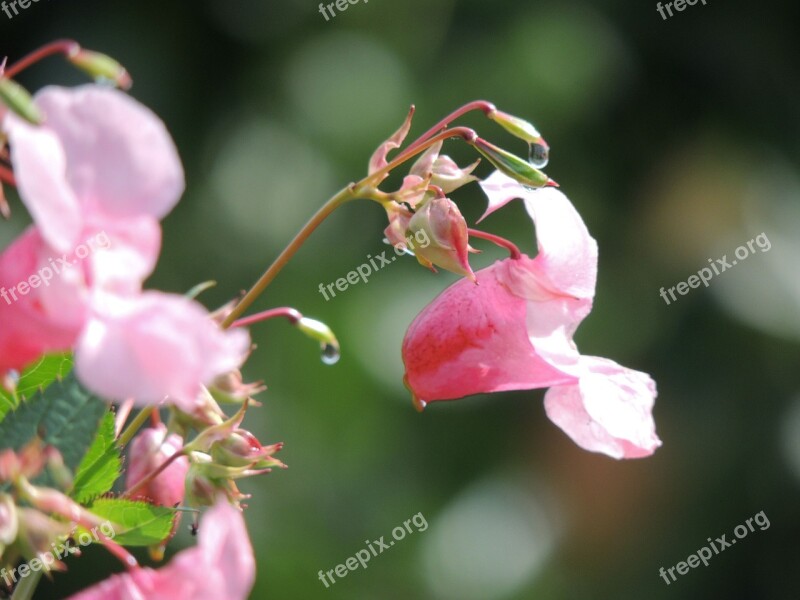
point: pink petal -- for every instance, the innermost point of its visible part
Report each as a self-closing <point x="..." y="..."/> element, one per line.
<point x="121" y="161"/>
<point x="473" y="339"/>
<point x="30" y="326"/>
<point x="40" y="169"/>
<point x="153" y="346"/>
<point x="567" y="259"/>
<point x="149" y="450"/>
<point x="220" y="566"/>
<point x="609" y="410"/>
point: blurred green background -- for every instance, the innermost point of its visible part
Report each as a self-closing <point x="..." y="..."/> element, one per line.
<point x="677" y="140"/>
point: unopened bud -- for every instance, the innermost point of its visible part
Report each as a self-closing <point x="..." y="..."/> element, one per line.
<point x="19" y="101"/>
<point x="101" y="66"/>
<point x="317" y="330"/>
<point x="512" y="165"/>
<point x="442" y="223"/>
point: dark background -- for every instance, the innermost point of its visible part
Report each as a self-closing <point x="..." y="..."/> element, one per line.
<point x="677" y="141"/>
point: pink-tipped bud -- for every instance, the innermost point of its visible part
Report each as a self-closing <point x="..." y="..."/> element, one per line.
<point x="440" y="222"/>
<point x="148" y="451"/>
<point x="242" y="449"/>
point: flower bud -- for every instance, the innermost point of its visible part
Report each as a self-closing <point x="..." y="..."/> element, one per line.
<point x="148" y="451"/>
<point x="516" y="126"/>
<point x="317" y="330"/>
<point x="442" y="223"/>
<point x="512" y="165"/>
<point x="19" y="101"/>
<point x="242" y="449"/>
<point x="100" y="66"/>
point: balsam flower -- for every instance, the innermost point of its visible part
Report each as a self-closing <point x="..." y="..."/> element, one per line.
<point x="514" y="332"/>
<point x="99" y="156"/>
<point x="220" y="566"/>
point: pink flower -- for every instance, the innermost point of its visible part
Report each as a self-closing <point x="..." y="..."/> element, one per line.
<point x="155" y="345"/>
<point x="45" y="295"/>
<point x="442" y="223"/>
<point x="220" y="566"/>
<point x="148" y="451"/>
<point x="99" y="155"/>
<point x="514" y="331"/>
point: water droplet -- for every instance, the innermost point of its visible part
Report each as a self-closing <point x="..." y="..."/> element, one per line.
<point x="538" y="155"/>
<point x="330" y="354"/>
<point x="419" y="403"/>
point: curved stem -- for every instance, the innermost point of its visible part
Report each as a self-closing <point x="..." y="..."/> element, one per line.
<point x="155" y="473"/>
<point x="497" y="240"/>
<point x="292" y="314"/>
<point x="482" y="105"/>
<point x="65" y="47"/>
<point x="361" y="189"/>
<point x="323" y="213"/>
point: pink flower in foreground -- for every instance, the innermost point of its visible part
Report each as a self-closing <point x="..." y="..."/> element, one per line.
<point x="45" y="296"/>
<point x="220" y="566"/>
<point x="155" y="345"/>
<point x="99" y="155"/>
<point x="514" y="331"/>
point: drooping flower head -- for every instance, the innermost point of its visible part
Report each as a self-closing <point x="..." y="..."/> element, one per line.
<point x="514" y="331"/>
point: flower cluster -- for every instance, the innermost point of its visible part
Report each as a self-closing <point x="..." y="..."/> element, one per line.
<point x="91" y="160"/>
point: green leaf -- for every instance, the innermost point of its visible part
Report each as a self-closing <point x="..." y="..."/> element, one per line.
<point x="135" y="523"/>
<point x="34" y="378"/>
<point x="100" y="466"/>
<point x="64" y="415"/>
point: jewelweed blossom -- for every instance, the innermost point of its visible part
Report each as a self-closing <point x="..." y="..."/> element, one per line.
<point x="514" y="331"/>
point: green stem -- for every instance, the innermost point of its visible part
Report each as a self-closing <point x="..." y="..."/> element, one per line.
<point x="363" y="189"/>
<point x="135" y="426"/>
<point x="27" y="586"/>
<point x="346" y="194"/>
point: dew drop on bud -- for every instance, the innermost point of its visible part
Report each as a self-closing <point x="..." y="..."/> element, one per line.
<point x="538" y="155"/>
<point x="330" y="354"/>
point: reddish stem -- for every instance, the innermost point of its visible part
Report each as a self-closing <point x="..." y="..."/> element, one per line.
<point x="497" y="240"/>
<point x="153" y="474"/>
<point x="65" y="47"/>
<point x="482" y="105"/>
<point x="290" y="313"/>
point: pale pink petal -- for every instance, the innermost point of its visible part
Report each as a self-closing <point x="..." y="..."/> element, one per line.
<point x="126" y="252"/>
<point x="500" y="189"/>
<point x="567" y="259"/>
<point x="153" y="346"/>
<point x="40" y="170"/>
<point x="121" y="161"/>
<point x="609" y="410"/>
